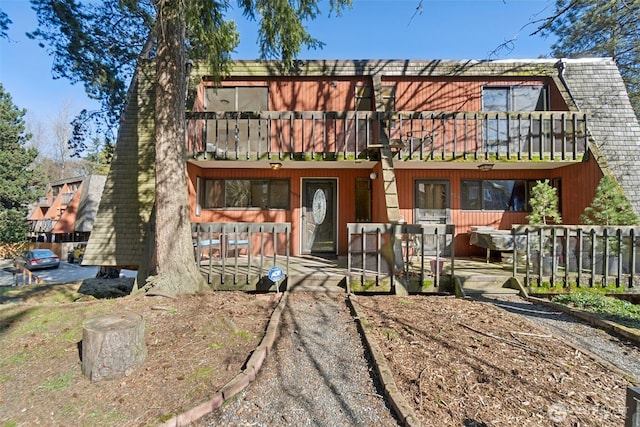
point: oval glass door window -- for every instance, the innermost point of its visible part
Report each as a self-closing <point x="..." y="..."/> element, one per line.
<point x="319" y="206"/>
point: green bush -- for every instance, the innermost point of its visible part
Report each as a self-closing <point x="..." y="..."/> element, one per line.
<point x="601" y="304"/>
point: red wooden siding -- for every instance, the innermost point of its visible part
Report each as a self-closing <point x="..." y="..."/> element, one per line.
<point x="346" y="197"/>
<point x="412" y="94"/>
<point x="579" y="182"/>
<point x="440" y="94"/>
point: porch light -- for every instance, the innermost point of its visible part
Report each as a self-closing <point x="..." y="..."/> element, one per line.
<point x="373" y="175"/>
<point x="275" y="165"/>
<point x="485" y="167"/>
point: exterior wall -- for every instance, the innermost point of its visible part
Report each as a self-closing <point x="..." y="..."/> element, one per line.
<point x="579" y="182"/>
<point x="411" y="94"/>
<point x="345" y="188"/>
<point x="68" y="216"/>
<point x="583" y="176"/>
<point x="119" y="236"/>
<point x="296" y="94"/>
<point x="465" y="94"/>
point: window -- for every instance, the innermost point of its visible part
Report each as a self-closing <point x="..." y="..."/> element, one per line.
<point x="500" y="134"/>
<point x="245" y="193"/>
<point x="241" y="98"/>
<point x="514" y="98"/>
<point x="496" y="195"/>
<point x="230" y="134"/>
<point x="363" y="98"/>
<point x="363" y="200"/>
<point x="388" y="94"/>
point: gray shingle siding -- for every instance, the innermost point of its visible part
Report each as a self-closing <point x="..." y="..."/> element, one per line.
<point x="597" y="87"/>
<point x="119" y="233"/>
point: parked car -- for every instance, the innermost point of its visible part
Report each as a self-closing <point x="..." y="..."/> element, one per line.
<point x="77" y="253"/>
<point x="35" y="259"/>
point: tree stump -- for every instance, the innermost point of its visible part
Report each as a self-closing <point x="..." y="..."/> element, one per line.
<point x="112" y="346"/>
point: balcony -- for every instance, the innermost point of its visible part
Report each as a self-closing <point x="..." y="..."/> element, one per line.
<point x="65" y="198"/>
<point x="45" y="201"/>
<point x="411" y="136"/>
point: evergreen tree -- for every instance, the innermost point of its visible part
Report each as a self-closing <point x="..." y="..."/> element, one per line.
<point x="544" y="204"/>
<point x="609" y="206"/>
<point x="4" y="24"/>
<point x="609" y="28"/>
<point x="100" y="44"/>
<point x="16" y="171"/>
<point x="99" y="157"/>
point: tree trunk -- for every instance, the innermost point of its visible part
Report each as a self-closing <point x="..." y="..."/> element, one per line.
<point x="173" y="270"/>
<point x="112" y="346"/>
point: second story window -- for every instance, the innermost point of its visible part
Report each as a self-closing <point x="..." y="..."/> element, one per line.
<point x="501" y="134"/>
<point x="363" y="98"/>
<point x="240" y="98"/>
<point x="231" y="134"/>
<point x="514" y="98"/>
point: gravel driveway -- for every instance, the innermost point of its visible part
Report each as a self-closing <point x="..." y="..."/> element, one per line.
<point x="305" y="381"/>
<point x="318" y="372"/>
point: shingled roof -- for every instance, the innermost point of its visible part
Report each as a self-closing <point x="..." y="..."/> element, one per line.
<point x="120" y="229"/>
<point x="590" y="85"/>
<point x="597" y="88"/>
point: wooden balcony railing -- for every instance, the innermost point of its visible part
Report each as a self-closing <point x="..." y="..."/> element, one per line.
<point x="217" y="248"/>
<point x="404" y="252"/>
<point x="580" y="255"/>
<point x="534" y="135"/>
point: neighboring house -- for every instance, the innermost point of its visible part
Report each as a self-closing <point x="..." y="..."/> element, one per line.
<point x="68" y="210"/>
<point x="339" y="142"/>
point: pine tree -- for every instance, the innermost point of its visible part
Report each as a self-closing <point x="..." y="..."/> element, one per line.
<point x="605" y="28"/>
<point x="544" y="204"/>
<point x="101" y="43"/>
<point x="17" y="187"/>
<point x="609" y="206"/>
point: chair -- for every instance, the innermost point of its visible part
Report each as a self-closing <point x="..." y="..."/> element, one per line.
<point x="204" y="248"/>
<point x="235" y="242"/>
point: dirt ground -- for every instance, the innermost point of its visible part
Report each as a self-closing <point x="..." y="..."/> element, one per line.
<point x="460" y="362"/>
<point x="457" y="362"/>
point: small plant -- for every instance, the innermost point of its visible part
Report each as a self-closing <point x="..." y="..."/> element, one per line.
<point x="603" y="305"/>
<point x="244" y="334"/>
<point x="59" y="383"/>
<point x="609" y="206"/>
<point x="544" y="204"/>
<point x="544" y="210"/>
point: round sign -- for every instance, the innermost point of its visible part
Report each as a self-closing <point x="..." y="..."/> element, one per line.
<point x="275" y="274"/>
<point x="319" y="206"/>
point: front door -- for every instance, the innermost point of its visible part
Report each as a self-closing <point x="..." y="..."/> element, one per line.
<point x="319" y="216"/>
<point x="432" y="206"/>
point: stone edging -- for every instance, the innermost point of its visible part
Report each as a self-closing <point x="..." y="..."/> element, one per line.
<point x="240" y="381"/>
<point x="403" y="410"/>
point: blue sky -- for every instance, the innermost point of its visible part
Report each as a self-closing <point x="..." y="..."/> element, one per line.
<point x="371" y="29"/>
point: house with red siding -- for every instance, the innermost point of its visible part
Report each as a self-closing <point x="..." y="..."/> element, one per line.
<point x="68" y="209"/>
<point x="334" y="143"/>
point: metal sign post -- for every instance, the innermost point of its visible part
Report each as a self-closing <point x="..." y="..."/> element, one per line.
<point x="276" y="274"/>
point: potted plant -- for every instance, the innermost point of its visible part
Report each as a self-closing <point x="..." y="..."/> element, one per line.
<point x="544" y="210"/>
<point x="609" y="207"/>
